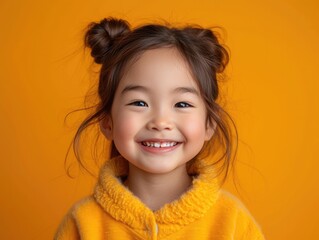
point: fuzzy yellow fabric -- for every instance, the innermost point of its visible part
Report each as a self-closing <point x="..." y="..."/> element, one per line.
<point x="113" y="212"/>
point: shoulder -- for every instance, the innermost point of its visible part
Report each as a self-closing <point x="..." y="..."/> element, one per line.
<point x="84" y="205"/>
<point x="87" y="205"/>
<point x="77" y="217"/>
<point x="230" y="201"/>
<point x="231" y="209"/>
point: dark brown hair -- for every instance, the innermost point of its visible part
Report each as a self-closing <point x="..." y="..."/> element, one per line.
<point x="114" y="44"/>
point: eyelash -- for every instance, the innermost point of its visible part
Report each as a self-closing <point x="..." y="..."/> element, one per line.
<point x="183" y="105"/>
<point x="144" y="104"/>
<point x="137" y="104"/>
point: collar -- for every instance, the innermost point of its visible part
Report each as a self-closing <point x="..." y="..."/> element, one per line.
<point x="122" y="205"/>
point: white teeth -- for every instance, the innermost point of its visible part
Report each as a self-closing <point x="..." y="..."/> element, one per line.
<point x="159" y="144"/>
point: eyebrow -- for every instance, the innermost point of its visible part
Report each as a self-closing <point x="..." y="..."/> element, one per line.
<point x="186" y="90"/>
<point x="129" y="88"/>
<point x="134" y="88"/>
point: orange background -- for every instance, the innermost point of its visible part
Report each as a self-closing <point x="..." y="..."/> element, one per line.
<point x="273" y="91"/>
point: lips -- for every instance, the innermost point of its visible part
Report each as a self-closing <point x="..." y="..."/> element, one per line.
<point x="159" y="145"/>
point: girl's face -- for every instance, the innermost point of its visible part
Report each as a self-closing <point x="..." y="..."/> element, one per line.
<point x="158" y="118"/>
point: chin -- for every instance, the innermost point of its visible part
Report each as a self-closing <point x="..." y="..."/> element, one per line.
<point x="161" y="169"/>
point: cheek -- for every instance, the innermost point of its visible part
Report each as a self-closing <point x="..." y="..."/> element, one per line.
<point x="125" y="126"/>
<point x="194" y="127"/>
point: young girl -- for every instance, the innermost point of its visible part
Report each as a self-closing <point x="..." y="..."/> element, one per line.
<point x="170" y="139"/>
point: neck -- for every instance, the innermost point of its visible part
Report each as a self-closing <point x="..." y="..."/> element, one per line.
<point x="155" y="190"/>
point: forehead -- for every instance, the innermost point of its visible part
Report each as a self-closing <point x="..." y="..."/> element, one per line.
<point x="163" y="65"/>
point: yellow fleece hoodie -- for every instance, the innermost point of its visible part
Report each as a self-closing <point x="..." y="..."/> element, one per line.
<point x="113" y="212"/>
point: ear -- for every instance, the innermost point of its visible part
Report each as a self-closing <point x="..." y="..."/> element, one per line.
<point x="106" y="127"/>
<point x="210" y="130"/>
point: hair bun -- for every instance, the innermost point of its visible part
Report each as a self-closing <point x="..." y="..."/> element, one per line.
<point x="101" y="36"/>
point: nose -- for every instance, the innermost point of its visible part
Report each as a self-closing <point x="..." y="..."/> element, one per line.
<point x="160" y="121"/>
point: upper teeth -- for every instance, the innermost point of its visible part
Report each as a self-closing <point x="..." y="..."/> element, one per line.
<point x="159" y="144"/>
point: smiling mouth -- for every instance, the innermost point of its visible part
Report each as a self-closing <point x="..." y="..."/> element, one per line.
<point x="159" y="144"/>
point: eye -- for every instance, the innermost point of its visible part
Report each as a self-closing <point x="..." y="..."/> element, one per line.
<point x="183" y="105"/>
<point x="138" y="104"/>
